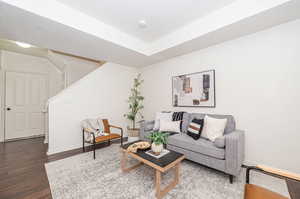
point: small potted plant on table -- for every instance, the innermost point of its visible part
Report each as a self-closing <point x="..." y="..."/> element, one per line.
<point x="158" y="140"/>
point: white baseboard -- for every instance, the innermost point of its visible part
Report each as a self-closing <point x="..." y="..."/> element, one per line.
<point x="24" y="138"/>
<point x="250" y="163"/>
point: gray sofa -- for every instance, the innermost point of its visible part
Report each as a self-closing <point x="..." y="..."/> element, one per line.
<point x="225" y="154"/>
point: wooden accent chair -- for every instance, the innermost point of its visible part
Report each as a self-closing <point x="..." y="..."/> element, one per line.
<point x="100" y="139"/>
<point x="256" y="192"/>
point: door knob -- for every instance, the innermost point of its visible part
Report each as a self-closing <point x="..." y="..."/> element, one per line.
<point x="8" y="109"/>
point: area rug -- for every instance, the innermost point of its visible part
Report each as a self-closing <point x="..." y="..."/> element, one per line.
<point x="82" y="177"/>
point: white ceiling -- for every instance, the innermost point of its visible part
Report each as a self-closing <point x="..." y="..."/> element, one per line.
<point x="162" y="16"/>
<point x="53" y="25"/>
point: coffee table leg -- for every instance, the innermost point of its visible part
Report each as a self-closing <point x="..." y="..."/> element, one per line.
<point x="124" y="160"/>
<point x="160" y="193"/>
<point x="157" y="183"/>
<point x="177" y="173"/>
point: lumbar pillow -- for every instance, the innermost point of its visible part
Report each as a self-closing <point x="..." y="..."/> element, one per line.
<point x="166" y="125"/>
<point x="163" y="116"/>
<point x="195" y="128"/>
<point x="213" y="128"/>
<point x="220" y="142"/>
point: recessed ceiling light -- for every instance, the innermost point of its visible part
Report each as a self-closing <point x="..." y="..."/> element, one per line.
<point x="142" y="24"/>
<point x="23" y="45"/>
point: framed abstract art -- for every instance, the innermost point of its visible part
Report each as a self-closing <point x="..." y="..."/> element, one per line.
<point x="194" y="90"/>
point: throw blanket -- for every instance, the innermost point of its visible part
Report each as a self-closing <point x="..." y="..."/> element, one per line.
<point x="92" y="126"/>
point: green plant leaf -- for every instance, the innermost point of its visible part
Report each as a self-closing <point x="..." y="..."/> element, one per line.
<point x="158" y="137"/>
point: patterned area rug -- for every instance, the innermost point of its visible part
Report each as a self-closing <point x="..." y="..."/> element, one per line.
<point x="81" y="177"/>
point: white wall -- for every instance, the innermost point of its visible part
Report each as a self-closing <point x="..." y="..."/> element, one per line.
<point x="257" y="81"/>
<point x="102" y="93"/>
<point x="32" y="64"/>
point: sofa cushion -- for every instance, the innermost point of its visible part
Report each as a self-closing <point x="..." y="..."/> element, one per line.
<point x="166" y="125"/>
<point x="161" y="116"/>
<point x="185" y="122"/>
<point x="213" y="128"/>
<point x="230" y="126"/>
<point x="202" y="146"/>
<point x="148" y="125"/>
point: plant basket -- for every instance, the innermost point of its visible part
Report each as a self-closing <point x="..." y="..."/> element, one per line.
<point x="133" y="132"/>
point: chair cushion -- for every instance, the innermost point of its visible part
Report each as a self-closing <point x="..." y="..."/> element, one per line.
<point x="257" y="192"/>
<point x="107" y="137"/>
<point x="201" y="145"/>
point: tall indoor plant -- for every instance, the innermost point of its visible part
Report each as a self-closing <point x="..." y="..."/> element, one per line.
<point x="135" y="101"/>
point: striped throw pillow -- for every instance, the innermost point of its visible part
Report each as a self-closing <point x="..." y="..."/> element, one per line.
<point x="195" y="128"/>
<point x="178" y="116"/>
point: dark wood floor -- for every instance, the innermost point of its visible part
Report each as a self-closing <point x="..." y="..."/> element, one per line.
<point x="22" y="171"/>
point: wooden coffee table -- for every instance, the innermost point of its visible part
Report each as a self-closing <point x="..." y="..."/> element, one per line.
<point x="161" y="165"/>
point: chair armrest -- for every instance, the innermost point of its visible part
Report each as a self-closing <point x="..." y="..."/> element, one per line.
<point x="117" y="127"/>
<point x="270" y="171"/>
<point x="278" y="172"/>
<point x="88" y="130"/>
<point x="234" y="151"/>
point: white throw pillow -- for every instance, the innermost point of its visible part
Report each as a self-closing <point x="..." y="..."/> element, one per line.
<point x="163" y="116"/>
<point x="167" y="125"/>
<point x="213" y="128"/>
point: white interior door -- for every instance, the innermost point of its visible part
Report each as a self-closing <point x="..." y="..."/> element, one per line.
<point x="25" y="99"/>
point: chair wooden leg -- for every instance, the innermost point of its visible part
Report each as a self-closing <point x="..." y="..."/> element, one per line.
<point x="94" y="151"/>
<point x="83" y="149"/>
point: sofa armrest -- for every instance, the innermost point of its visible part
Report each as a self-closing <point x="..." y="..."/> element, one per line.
<point x="146" y="128"/>
<point x="234" y="151"/>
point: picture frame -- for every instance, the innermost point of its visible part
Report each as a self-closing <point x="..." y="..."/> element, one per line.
<point x="194" y="90"/>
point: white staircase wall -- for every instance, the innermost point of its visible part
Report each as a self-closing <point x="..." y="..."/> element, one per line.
<point x="75" y="68"/>
<point x="102" y="93"/>
<point x="58" y="63"/>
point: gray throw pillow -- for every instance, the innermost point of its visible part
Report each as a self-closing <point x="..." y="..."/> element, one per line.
<point x="220" y="142"/>
<point x="148" y="125"/>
